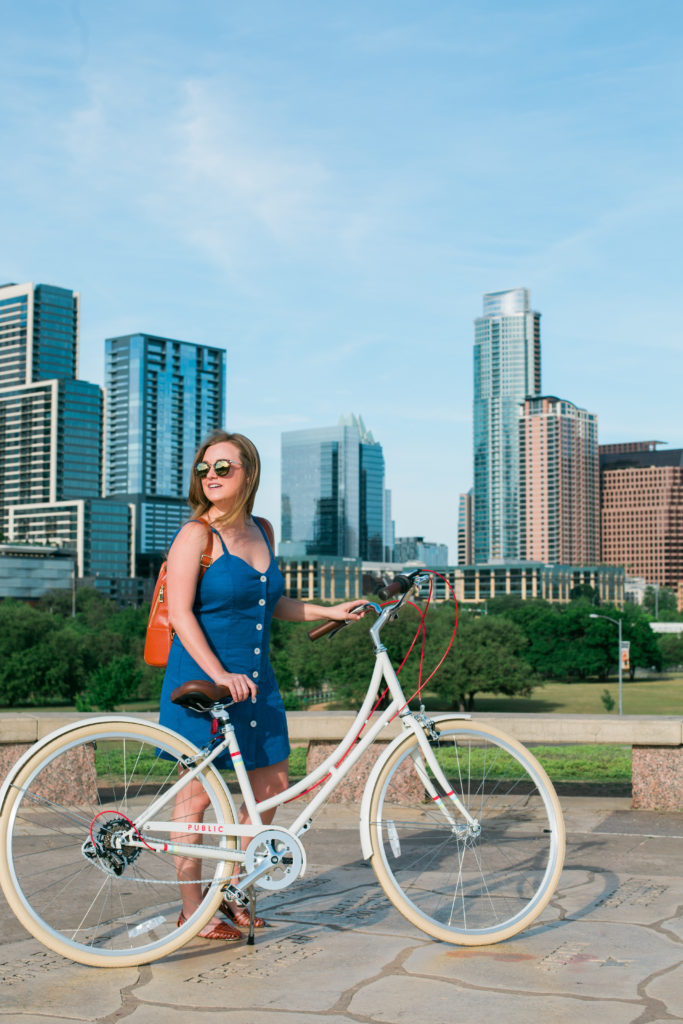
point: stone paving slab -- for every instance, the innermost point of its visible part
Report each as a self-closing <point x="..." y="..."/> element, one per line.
<point x="229" y="1015"/>
<point x="32" y="978"/>
<point x="608" y="950"/>
<point x="303" y="971"/>
<point x="668" y="988"/>
<point x="587" y="960"/>
<point x="32" y="1018"/>
<point x="432" y="1001"/>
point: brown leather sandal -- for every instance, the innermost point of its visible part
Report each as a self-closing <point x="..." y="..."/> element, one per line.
<point x="216" y="931"/>
<point x="240" y="915"/>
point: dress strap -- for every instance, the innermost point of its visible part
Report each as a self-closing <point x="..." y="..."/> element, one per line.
<point x="267" y="531"/>
<point x="225" y="550"/>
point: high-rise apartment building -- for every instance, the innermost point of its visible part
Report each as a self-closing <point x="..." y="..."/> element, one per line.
<point x="163" y="398"/>
<point x="38" y="333"/>
<point x="389" y="528"/>
<point x="507" y="370"/>
<point x="333" y="494"/>
<point x="642" y="510"/>
<point x="99" y="532"/>
<point x="465" y="532"/>
<point x="51" y="435"/>
<point x="51" y="442"/>
<point x="559" y="483"/>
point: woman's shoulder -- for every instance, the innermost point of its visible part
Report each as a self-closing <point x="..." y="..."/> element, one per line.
<point x="195" y="532"/>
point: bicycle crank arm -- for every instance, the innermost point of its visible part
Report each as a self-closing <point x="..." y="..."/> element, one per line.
<point x="266" y="867"/>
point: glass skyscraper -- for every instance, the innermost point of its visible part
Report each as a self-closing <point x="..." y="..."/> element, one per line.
<point x="52" y="442"/>
<point x="163" y="398"/>
<point x="333" y="495"/>
<point x="507" y="370"/>
<point x="51" y="427"/>
<point x="38" y="333"/>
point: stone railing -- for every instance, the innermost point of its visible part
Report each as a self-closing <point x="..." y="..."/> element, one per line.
<point x="657" y="742"/>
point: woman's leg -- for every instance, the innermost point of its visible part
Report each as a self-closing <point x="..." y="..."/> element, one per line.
<point x="190" y="804"/>
<point x="265" y="782"/>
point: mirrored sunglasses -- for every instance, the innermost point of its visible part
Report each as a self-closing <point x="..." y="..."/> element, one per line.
<point x="221" y="467"/>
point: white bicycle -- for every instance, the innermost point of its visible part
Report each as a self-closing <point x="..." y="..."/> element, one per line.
<point x="459" y="821"/>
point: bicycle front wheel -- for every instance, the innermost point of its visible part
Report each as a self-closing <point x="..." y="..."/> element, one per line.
<point x="462" y="882"/>
<point x="65" y="872"/>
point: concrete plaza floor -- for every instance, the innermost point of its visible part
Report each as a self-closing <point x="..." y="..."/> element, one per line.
<point x="608" y="950"/>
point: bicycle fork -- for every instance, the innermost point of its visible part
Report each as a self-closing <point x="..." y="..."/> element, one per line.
<point x="436" y="785"/>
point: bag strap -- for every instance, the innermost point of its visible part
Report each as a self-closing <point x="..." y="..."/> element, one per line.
<point x="206" y="560"/>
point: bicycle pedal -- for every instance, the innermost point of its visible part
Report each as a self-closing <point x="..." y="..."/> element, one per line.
<point x="235" y="895"/>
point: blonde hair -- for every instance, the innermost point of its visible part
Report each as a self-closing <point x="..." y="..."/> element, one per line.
<point x="251" y="470"/>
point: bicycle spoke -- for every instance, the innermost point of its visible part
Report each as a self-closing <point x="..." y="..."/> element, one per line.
<point x="71" y="873"/>
<point x="476" y="880"/>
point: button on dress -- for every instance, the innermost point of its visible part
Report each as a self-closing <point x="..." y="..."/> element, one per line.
<point x="234" y="605"/>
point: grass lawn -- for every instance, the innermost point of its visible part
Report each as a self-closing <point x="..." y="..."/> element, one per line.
<point x="659" y="696"/>
<point x="587" y="763"/>
<point x="590" y="762"/>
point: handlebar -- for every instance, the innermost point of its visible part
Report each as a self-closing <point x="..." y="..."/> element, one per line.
<point x="399" y="587"/>
<point x="329" y="626"/>
<point x="400" y="584"/>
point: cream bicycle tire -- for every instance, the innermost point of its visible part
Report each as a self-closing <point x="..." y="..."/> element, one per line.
<point x="48" y="880"/>
<point x="456" y="886"/>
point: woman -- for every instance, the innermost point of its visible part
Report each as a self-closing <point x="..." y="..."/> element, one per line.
<point x="222" y="625"/>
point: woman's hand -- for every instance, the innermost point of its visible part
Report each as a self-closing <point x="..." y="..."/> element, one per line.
<point x="241" y="687"/>
<point x="348" y="610"/>
<point x="291" y="610"/>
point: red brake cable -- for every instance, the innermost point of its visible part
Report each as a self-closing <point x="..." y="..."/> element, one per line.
<point x="421" y="629"/>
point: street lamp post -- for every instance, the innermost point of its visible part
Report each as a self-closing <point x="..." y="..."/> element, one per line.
<point x="617" y="622"/>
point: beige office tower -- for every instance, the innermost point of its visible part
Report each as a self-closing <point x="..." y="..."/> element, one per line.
<point x="642" y="510"/>
<point x="559" y="483"/>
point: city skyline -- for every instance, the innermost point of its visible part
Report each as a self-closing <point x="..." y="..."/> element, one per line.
<point x="326" y="194"/>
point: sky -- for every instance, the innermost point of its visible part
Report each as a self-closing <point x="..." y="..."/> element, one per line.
<point x="327" y="189"/>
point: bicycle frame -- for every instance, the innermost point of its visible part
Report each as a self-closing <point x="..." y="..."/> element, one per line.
<point x="334" y="768"/>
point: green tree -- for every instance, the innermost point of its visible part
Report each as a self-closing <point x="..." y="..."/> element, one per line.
<point x="661" y="603"/>
<point x="110" y="685"/>
<point x="47" y="655"/>
<point x="540" y="623"/>
<point x="671" y="648"/>
<point x="50" y="670"/>
<point x="584" y="592"/>
<point x="40" y="660"/>
<point x="487" y="657"/>
<point x="582" y="651"/>
<point x="645" y="651"/>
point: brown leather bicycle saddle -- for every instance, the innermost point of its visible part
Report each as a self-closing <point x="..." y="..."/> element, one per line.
<point x="200" y="695"/>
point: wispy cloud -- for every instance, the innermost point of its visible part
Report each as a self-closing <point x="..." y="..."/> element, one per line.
<point x="241" y="179"/>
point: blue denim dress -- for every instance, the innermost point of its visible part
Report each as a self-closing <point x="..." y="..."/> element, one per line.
<point x="234" y="606"/>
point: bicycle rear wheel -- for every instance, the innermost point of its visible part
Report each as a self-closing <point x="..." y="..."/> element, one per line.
<point x="63" y="872"/>
<point x="469" y="885"/>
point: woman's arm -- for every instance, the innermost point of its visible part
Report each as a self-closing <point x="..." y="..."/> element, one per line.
<point x="183" y="577"/>
<point x="291" y="610"/>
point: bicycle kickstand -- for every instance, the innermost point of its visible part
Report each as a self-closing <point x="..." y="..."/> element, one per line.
<point x="252" y="915"/>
